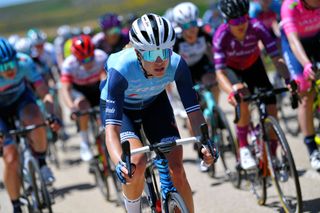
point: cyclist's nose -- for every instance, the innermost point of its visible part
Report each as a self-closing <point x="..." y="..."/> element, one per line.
<point x="159" y="60"/>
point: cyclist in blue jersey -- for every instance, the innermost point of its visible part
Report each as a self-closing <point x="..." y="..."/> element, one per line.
<point x="134" y="95"/>
<point x="17" y="100"/>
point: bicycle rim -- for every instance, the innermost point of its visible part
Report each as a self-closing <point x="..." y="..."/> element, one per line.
<point x="228" y="149"/>
<point x="175" y="204"/>
<point x="283" y="170"/>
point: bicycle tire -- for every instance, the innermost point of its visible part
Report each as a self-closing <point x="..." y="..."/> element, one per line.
<point x="36" y="204"/>
<point x="39" y="188"/>
<point x="258" y="176"/>
<point x="174" y="201"/>
<point x="285" y="161"/>
<point x="227" y="148"/>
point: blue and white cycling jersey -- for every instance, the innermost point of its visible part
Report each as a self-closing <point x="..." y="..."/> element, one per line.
<point x="127" y="87"/>
<point x="11" y="89"/>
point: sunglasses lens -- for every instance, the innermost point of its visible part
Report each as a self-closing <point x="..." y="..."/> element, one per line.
<point x="87" y="60"/>
<point x="188" y="25"/>
<point x="7" y="66"/>
<point x="152" y="56"/>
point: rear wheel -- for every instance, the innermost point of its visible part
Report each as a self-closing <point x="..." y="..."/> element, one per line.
<point x="283" y="169"/>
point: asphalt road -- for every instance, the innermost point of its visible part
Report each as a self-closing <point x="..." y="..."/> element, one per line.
<point x="75" y="189"/>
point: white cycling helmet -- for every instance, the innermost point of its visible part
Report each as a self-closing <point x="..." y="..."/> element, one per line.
<point x="185" y="13"/>
<point x="24" y="45"/>
<point x="151" y="32"/>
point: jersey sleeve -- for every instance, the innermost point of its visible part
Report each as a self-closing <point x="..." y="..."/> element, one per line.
<point x="288" y="19"/>
<point x="31" y="73"/>
<point x="114" y="90"/>
<point x="268" y="41"/>
<point x="219" y="55"/>
<point x="66" y="72"/>
<point x="185" y="87"/>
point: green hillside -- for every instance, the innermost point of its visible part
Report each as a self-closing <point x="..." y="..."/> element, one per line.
<point x="49" y="14"/>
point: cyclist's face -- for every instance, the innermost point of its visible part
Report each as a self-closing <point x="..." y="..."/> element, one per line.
<point x="9" y="74"/>
<point x="157" y="68"/>
<point x="239" y="30"/>
<point x="191" y="34"/>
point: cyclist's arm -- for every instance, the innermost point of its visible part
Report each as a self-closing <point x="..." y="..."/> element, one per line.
<point x="223" y="81"/>
<point x="112" y="95"/>
<point x="297" y="48"/>
<point x="66" y="94"/>
<point x="281" y="67"/>
<point x="220" y="65"/>
<point x="39" y="84"/>
<point x="271" y="47"/>
<point x="188" y="96"/>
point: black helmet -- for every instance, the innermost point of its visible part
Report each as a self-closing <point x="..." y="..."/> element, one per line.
<point x="231" y="9"/>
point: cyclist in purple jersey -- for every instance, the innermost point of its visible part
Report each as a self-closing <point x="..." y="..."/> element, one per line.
<point x="300" y="40"/>
<point x="111" y="39"/>
<point x="17" y="100"/>
<point x="237" y="61"/>
<point x="134" y="95"/>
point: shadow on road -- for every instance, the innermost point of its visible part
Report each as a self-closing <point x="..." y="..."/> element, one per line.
<point x="67" y="190"/>
<point x="312" y="206"/>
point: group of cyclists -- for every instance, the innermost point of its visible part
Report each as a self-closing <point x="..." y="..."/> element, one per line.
<point x="128" y="73"/>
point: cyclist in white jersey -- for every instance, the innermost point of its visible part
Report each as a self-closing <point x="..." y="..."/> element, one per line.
<point x="80" y="77"/>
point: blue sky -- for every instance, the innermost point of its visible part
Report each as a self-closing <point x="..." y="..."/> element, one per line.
<point x="4" y="3"/>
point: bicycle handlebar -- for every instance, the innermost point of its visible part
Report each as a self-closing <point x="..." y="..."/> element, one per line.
<point x="265" y="94"/>
<point x="168" y="145"/>
<point x="26" y="129"/>
<point x="91" y="111"/>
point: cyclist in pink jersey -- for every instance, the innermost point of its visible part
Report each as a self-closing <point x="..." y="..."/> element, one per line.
<point x="237" y="61"/>
<point x="300" y="40"/>
<point x="80" y="77"/>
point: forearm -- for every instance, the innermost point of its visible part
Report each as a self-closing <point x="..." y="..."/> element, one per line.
<point x="298" y="49"/>
<point x="66" y="93"/>
<point x="224" y="82"/>
<point x="113" y="142"/>
<point x="281" y="67"/>
<point x="43" y="92"/>
<point x="196" y="119"/>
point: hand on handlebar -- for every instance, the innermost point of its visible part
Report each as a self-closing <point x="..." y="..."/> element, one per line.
<point x="123" y="172"/>
<point x="308" y="72"/>
<point x="54" y="122"/>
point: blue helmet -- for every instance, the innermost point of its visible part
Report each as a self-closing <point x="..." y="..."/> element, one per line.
<point x="7" y="52"/>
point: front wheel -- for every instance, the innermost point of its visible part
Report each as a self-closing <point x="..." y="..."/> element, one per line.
<point x="283" y="170"/>
<point x="175" y="203"/>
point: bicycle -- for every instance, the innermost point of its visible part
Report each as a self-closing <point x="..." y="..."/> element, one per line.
<point x="280" y="165"/>
<point x="101" y="165"/>
<point x="220" y="130"/>
<point x="35" y="194"/>
<point x="283" y="102"/>
<point x="169" y="201"/>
